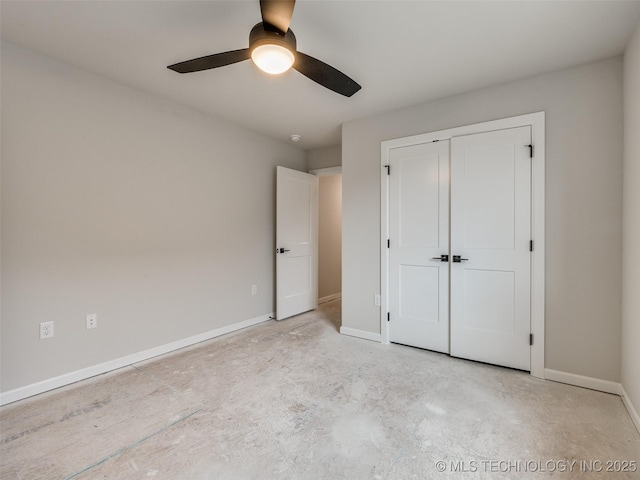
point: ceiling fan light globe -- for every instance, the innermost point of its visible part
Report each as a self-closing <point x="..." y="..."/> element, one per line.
<point x="273" y="59"/>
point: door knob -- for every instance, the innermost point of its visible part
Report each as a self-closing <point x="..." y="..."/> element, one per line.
<point x="282" y="250"/>
<point x="442" y="258"/>
<point x="458" y="259"/>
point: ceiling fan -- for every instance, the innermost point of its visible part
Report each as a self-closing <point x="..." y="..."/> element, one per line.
<point x="272" y="47"/>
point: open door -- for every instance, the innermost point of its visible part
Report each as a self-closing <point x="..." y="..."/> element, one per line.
<point x="296" y="242"/>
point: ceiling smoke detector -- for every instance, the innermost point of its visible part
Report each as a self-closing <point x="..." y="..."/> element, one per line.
<point x="295" y="138"/>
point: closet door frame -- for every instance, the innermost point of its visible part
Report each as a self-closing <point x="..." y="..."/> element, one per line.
<point x="537" y="123"/>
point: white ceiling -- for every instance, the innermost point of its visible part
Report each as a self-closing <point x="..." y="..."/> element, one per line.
<point x="401" y="52"/>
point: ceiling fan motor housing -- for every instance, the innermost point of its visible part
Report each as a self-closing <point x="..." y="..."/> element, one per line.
<point x="259" y="35"/>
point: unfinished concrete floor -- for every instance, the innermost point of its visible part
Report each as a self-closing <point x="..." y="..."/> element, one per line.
<point x="296" y="400"/>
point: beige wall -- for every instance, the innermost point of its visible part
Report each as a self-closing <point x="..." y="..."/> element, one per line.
<point x="631" y="225"/>
<point x="583" y="204"/>
<point x="155" y="217"/>
<point x="330" y="236"/>
<point x="324" y="158"/>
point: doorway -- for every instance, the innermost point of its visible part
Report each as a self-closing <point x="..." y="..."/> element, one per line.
<point x="329" y="233"/>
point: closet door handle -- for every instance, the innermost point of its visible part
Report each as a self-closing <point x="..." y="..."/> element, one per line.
<point x="458" y="259"/>
<point x="442" y="258"/>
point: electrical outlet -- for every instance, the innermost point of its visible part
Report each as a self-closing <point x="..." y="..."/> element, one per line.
<point x="254" y="289"/>
<point x="46" y="330"/>
<point x="92" y="320"/>
<point x="376" y="300"/>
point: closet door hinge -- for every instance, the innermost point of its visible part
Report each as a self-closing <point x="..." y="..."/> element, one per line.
<point x="388" y="167"/>
<point x="531" y="245"/>
<point x="388" y="243"/>
<point x="388" y="316"/>
<point x="531" y="339"/>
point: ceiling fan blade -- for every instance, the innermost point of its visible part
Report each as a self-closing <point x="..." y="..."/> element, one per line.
<point x="276" y="14"/>
<point x="325" y="75"/>
<point x="211" y="61"/>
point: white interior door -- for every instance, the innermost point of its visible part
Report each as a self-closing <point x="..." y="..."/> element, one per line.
<point x="491" y="232"/>
<point x="296" y="242"/>
<point x="419" y="236"/>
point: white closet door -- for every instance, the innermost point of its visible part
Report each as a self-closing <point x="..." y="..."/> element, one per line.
<point x="418" y="232"/>
<point x="490" y="232"/>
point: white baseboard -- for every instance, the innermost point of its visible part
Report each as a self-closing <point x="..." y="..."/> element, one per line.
<point x="328" y="298"/>
<point x="84" y="373"/>
<point x="354" y="332"/>
<point x="582" y="381"/>
<point x="595" y="384"/>
<point x="633" y="413"/>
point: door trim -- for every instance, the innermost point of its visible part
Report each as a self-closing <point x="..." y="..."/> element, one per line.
<point x="537" y="123"/>
<point x="325" y="172"/>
